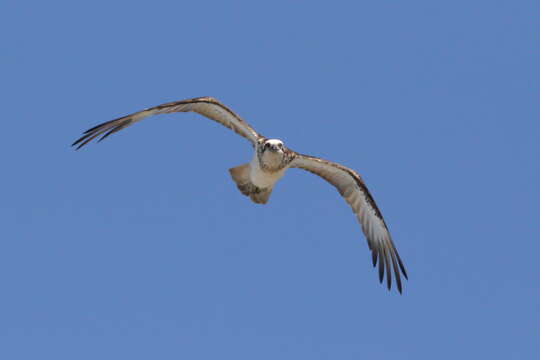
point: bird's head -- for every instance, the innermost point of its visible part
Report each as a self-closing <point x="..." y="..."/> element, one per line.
<point x="272" y="146"/>
<point x="273" y="155"/>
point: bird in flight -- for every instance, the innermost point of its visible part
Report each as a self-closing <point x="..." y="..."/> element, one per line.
<point x="271" y="159"/>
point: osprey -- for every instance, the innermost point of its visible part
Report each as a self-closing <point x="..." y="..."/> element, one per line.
<point x="271" y="159"/>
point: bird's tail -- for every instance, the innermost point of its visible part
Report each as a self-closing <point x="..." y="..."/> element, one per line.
<point x="240" y="175"/>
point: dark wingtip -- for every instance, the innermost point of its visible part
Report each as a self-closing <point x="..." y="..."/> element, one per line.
<point x="116" y="128"/>
<point x="78" y="141"/>
<point x="388" y="273"/>
<point x="396" y="269"/>
<point x="401" y="266"/>
<point x="86" y="136"/>
<point x="80" y="145"/>
<point x="105" y="136"/>
<point x="100" y="125"/>
<point x="403" y="270"/>
<point x="108" y="128"/>
<point x="381" y="270"/>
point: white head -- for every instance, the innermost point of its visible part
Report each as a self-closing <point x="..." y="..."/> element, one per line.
<point x="273" y="145"/>
<point x="272" y="154"/>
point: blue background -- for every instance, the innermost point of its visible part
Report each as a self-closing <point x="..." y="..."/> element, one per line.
<point x="142" y="247"/>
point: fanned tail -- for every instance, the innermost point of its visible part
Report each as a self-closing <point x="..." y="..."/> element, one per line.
<point x="240" y="175"/>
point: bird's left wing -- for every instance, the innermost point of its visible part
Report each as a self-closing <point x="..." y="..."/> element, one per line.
<point x="351" y="186"/>
<point x="206" y="106"/>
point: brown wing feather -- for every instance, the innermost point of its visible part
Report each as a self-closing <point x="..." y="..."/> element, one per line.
<point x="206" y="106"/>
<point x="353" y="189"/>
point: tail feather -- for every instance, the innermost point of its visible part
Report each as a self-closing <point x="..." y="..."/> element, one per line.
<point x="261" y="197"/>
<point x="240" y="175"/>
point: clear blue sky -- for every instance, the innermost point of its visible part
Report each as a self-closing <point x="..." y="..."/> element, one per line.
<point x="141" y="246"/>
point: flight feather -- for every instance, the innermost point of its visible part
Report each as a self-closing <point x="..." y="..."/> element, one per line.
<point x="353" y="189"/>
<point x="206" y="106"/>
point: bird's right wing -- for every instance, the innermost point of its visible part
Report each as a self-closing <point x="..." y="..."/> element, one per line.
<point x="206" y="106"/>
<point x="354" y="191"/>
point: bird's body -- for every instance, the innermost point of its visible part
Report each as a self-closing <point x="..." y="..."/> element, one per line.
<point x="266" y="173"/>
<point x="257" y="178"/>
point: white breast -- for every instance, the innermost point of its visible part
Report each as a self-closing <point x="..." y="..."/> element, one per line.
<point x="261" y="178"/>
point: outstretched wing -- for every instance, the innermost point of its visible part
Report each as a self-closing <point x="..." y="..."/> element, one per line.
<point x="206" y="106"/>
<point x="354" y="191"/>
